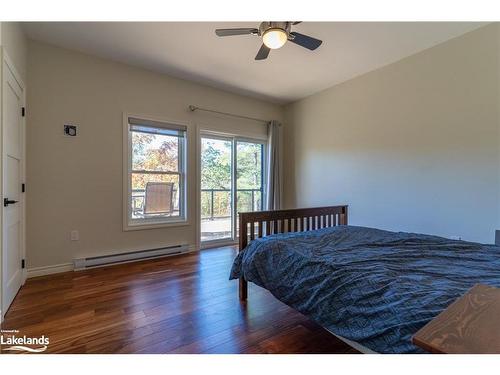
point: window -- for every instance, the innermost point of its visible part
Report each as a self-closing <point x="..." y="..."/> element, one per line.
<point x="156" y="173"/>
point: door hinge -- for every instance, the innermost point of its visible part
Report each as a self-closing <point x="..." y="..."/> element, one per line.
<point x="23" y="264"/>
<point x="23" y="188"/>
<point x="23" y="111"/>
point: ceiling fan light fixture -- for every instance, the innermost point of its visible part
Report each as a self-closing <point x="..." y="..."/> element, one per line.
<point x="274" y="38"/>
<point x="274" y="35"/>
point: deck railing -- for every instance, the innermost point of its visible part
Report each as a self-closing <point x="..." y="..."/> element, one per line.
<point x="255" y="202"/>
<point x="209" y="212"/>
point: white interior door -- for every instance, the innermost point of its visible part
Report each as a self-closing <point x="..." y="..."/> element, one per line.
<point x="13" y="144"/>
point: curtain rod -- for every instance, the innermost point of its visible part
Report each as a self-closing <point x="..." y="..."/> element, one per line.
<point x="193" y="108"/>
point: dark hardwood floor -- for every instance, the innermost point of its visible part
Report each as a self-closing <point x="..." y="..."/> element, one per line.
<point x="182" y="304"/>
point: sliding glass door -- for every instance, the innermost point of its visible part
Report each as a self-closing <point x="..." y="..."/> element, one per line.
<point x="232" y="180"/>
<point x="216" y="188"/>
<point x="249" y="177"/>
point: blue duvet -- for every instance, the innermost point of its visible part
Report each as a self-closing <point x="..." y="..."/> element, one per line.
<point x="371" y="286"/>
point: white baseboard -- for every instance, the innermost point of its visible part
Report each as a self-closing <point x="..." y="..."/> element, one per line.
<point x="49" y="270"/>
<point x="65" y="267"/>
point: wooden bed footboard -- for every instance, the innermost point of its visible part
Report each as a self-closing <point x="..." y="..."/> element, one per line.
<point x="264" y="223"/>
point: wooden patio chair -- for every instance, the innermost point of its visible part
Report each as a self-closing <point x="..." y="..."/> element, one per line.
<point x="159" y="198"/>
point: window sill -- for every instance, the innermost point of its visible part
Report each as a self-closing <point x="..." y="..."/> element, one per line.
<point x="152" y="225"/>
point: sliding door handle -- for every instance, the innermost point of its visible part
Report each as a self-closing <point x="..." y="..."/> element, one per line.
<point x="7" y="201"/>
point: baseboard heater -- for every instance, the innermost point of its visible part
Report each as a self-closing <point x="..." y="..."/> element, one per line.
<point x="133" y="256"/>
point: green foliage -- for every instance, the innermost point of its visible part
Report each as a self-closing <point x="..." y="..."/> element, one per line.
<point x="216" y="165"/>
<point x="154" y="153"/>
<point x="216" y="174"/>
<point x="249" y="165"/>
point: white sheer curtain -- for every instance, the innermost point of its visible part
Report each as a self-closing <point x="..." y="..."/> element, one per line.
<point x="274" y="187"/>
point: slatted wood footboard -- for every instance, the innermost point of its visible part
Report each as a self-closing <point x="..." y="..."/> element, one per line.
<point x="264" y="223"/>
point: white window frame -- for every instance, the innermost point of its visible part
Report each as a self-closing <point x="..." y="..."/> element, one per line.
<point x="157" y="222"/>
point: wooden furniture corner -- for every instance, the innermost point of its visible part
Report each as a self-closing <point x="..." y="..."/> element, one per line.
<point x="470" y="325"/>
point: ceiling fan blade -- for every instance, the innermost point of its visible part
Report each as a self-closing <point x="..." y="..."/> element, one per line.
<point x="305" y="41"/>
<point x="263" y="53"/>
<point x="238" y="31"/>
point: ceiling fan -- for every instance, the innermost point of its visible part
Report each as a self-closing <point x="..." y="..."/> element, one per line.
<point x="274" y="35"/>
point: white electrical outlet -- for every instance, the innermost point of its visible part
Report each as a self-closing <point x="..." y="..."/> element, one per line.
<point x="75" y="236"/>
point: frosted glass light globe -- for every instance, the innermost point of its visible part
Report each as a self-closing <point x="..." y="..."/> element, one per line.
<point x="274" y="38"/>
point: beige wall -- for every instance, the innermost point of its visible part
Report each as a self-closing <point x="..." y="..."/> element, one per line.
<point x="77" y="183"/>
<point x="413" y="146"/>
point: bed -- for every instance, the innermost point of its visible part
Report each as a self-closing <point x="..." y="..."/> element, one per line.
<point x="372" y="288"/>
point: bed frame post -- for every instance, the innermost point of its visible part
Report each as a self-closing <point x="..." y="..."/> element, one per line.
<point x="243" y="288"/>
<point x="344" y="209"/>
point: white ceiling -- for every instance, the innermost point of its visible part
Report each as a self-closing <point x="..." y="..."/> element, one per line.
<point x="192" y="51"/>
